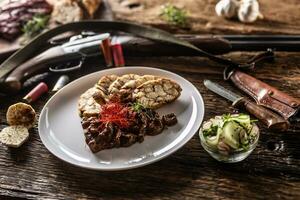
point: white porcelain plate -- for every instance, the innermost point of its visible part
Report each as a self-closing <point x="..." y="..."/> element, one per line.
<point x="61" y="132"/>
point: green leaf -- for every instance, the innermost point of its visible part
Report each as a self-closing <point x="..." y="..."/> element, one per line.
<point x="174" y="15"/>
<point x="35" y="25"/>
<point x="137" y="107"/>
<point x="212" y="131"/>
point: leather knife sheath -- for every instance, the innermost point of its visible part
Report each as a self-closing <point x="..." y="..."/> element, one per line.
<point x="266" y="95"/>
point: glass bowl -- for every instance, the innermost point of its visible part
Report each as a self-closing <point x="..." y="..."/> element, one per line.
<point x="230" y="157"/>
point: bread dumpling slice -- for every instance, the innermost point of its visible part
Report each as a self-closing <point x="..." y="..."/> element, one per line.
<point x="66" y="11"/>
<point x="101" y="93"/>
<point x="132" y="84"/>
<point x="87" y="106"/>
<point x="156" y="93"/>
<point x="120" y="82"/>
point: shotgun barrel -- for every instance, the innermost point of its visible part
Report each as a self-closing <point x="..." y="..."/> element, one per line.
<point x="215" y="44"/>
<point x="134" y="46"/>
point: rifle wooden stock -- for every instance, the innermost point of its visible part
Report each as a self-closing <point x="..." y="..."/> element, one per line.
<point x="33" y="66"/>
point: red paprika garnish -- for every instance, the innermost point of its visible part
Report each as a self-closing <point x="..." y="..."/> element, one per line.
<point x="118" y="114"/>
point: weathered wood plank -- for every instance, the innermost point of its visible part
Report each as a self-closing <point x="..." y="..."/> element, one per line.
<point x="281" y="17"/>
<point x="271" y="172"/>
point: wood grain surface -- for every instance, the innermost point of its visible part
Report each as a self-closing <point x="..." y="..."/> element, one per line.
<point x="280" y="17"/>
<point x="272" y="171"/>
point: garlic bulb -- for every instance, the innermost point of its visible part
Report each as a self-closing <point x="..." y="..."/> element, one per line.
<point x="227" y="8"/>
<point x="249" y="11"/>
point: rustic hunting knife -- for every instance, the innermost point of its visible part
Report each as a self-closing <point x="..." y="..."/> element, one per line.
<point x="270" y="119"/>
<point x="266" y="95"/>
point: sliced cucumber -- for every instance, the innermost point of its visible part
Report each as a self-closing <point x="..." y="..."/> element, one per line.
<point x="241" y="118"/>
<point x="254" y="131"/>
<point x="217" y="121"/>
<point x="244" y="137"/>
<point x="213" y="141"/>
<point x="231" y="132"/>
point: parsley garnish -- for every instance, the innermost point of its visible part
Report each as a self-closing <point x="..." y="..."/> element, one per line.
<point x="35" y="25"/>
<point x="174" y="15"/>
<point x="137" y="107"/>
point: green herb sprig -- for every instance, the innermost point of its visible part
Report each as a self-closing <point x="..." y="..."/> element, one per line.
<point x="137" y="107"/>
<point x="212" y="131"/>
<point x="174" y="15"/>
<point x="35" y="25"/>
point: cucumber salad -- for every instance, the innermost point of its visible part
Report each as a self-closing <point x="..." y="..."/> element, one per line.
<point x="228" y="134"/>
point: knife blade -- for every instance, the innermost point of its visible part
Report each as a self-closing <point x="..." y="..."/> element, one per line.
<point x="267" y="117"/>
<point x="216" y="88"/>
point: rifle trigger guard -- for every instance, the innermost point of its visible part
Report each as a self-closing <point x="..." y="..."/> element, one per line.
<point x="67" y="69"/>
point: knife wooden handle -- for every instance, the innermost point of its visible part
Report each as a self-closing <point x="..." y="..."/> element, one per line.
<point x="266" y="116"/>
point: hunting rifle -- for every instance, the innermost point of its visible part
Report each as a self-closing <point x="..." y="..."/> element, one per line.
<point x="22" y="65"/>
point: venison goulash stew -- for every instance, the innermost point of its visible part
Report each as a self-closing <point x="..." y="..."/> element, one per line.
<point x="120" y="110"/>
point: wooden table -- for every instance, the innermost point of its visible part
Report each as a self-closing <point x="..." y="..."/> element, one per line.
<point x="272" y="171"/>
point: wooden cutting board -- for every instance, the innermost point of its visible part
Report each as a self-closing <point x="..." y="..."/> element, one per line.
<point x="280" y="17"/>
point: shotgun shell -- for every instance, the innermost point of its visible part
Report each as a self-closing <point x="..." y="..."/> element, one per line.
<point x="118" y="55"/>
<point x="106" y="50"/>
<point x="36" y="92"/>
<point x="61" y="82"/>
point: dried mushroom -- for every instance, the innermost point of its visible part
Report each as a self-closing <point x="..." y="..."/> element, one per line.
<point x="21" y="114"/>
<point x="14" y="136"/>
